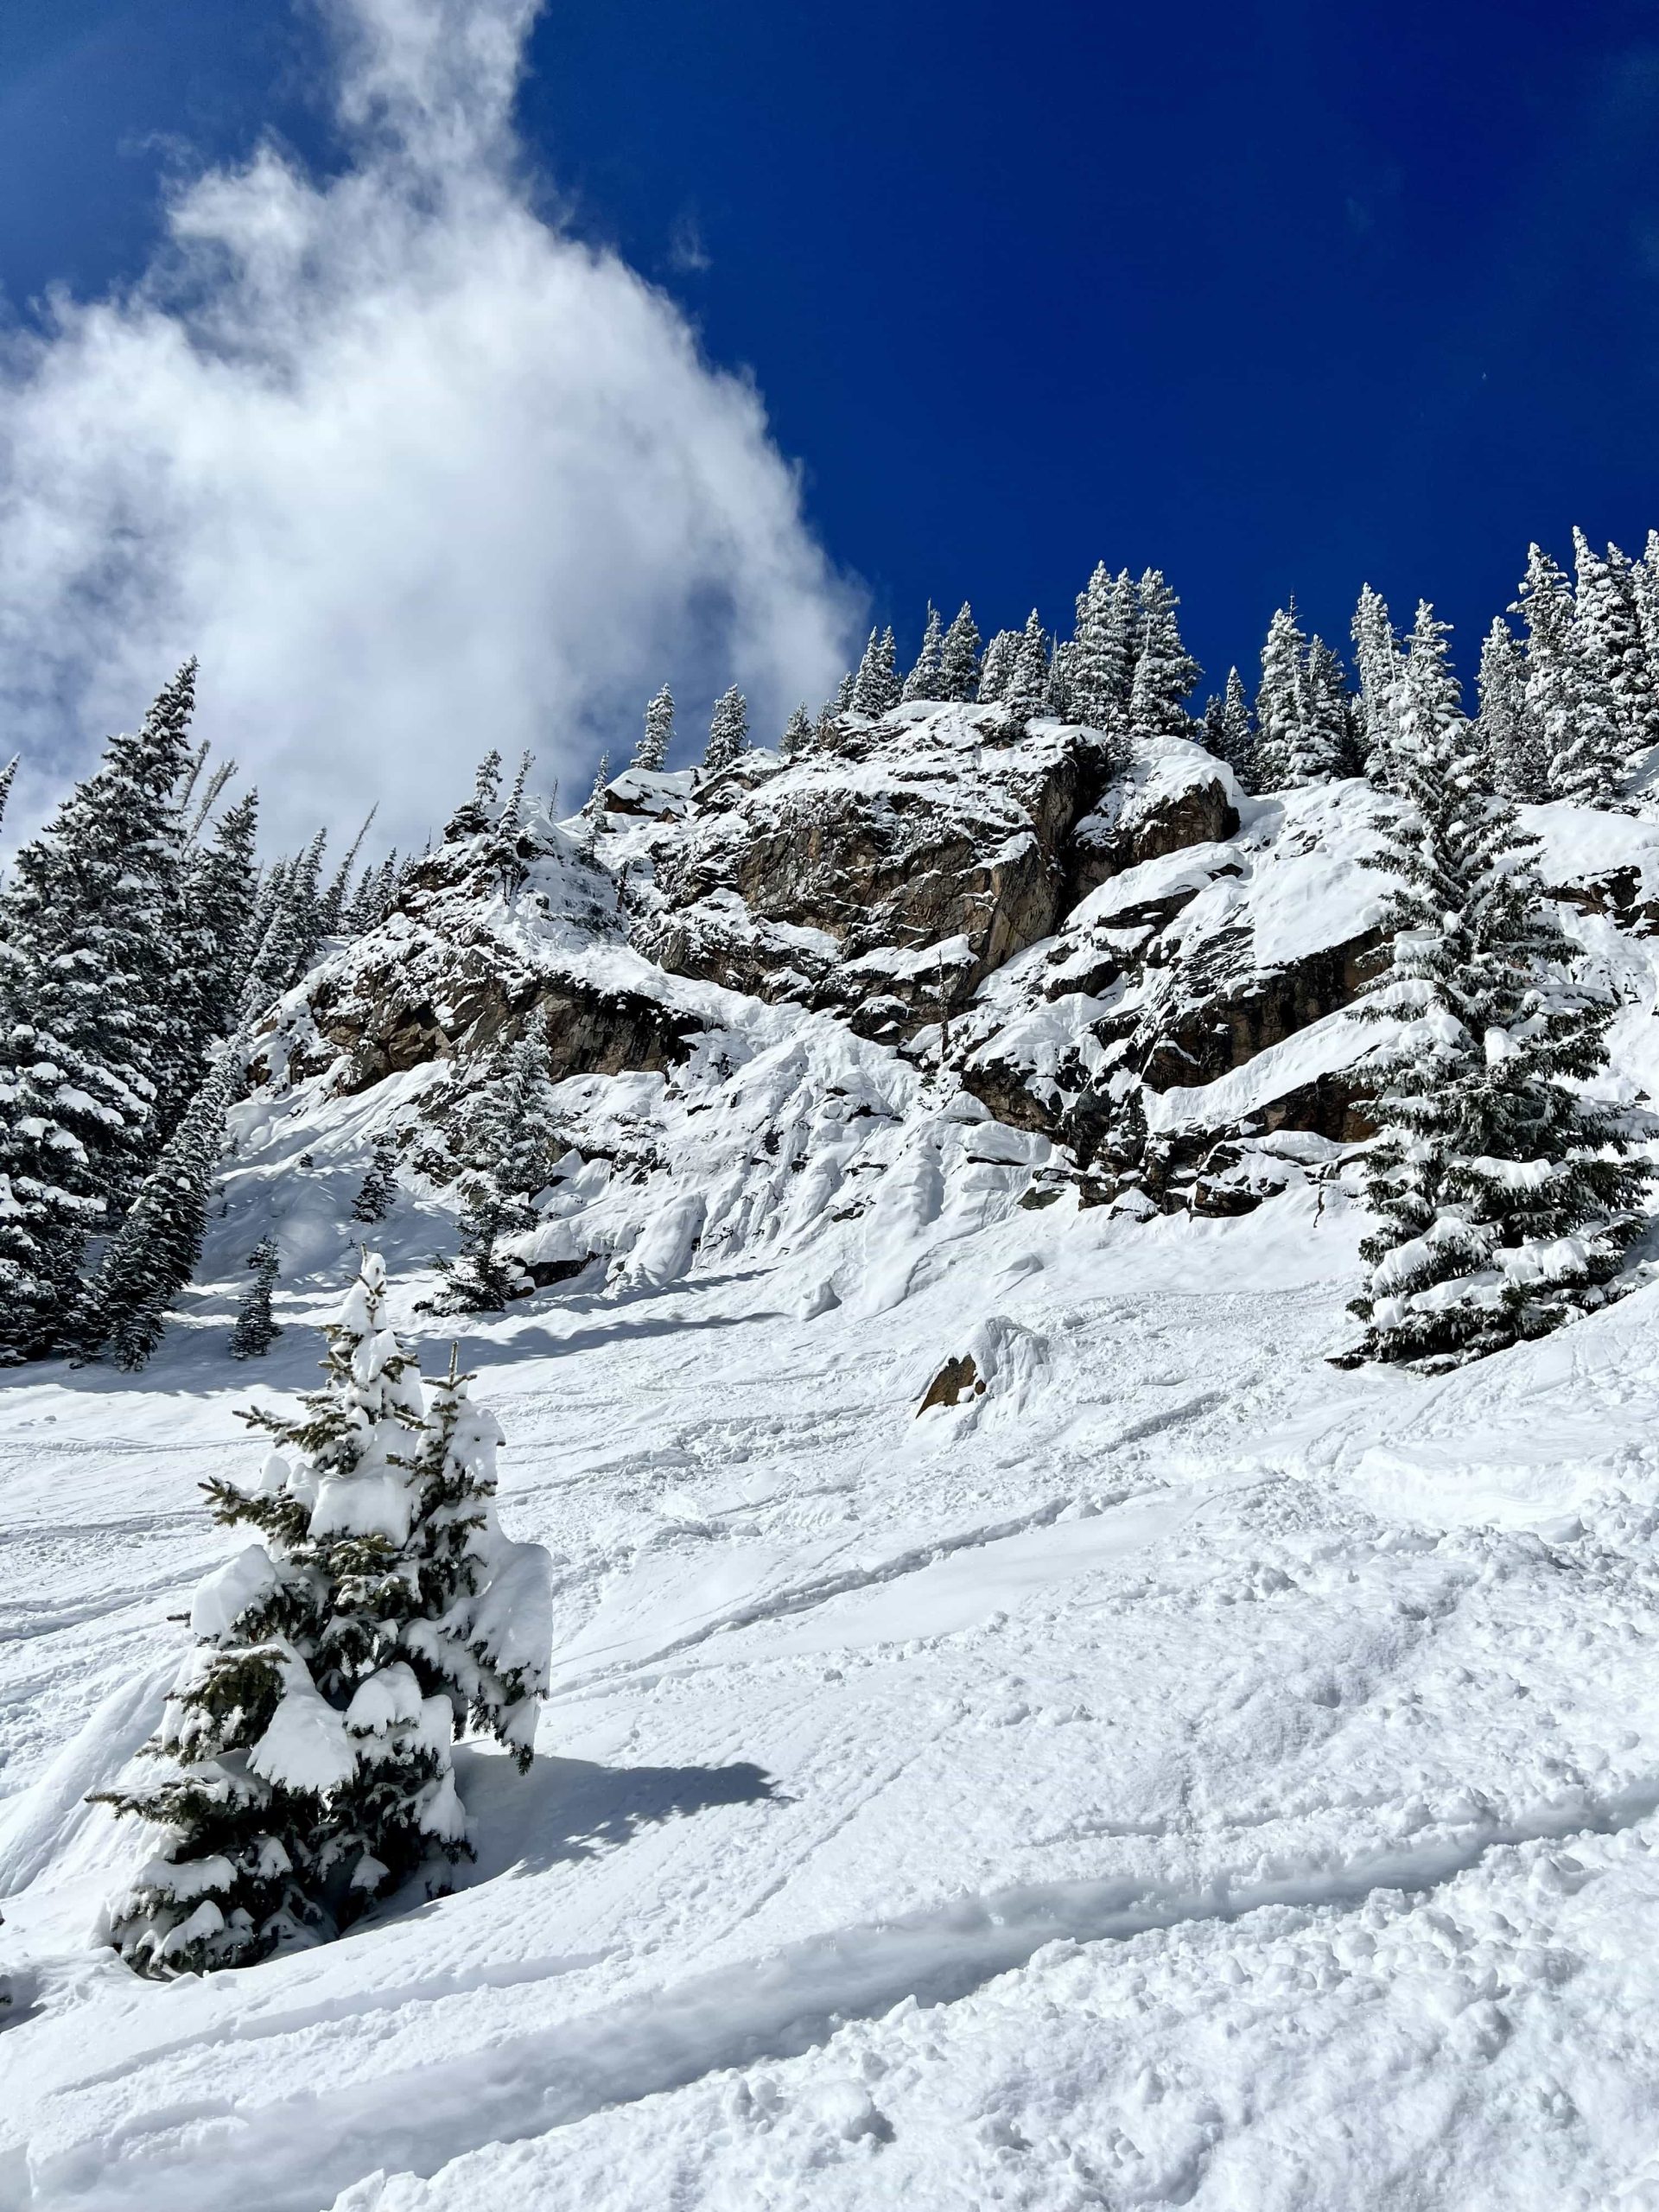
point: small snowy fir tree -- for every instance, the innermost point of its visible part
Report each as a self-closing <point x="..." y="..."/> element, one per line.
<point x="1567" y="698"/>
<point x="959" y="656"/>
<point x="923" y="680"/>
<point x="798" y="735"/>
<point x="652" y="752"/>
<point x="1099" y="658"/>
<point x="1517" y="764"/>
<point x="256" y="1329"/>
<point x="1165" y="672"/>
<point x="508" y="1135"/>
<point x="1503" y="1201"/>
<point x="309" y="1735"/>
<point x="153" y="1253"/>
<point x="997" y="667"/>
<point x="378" y="1193"/>
<point x="1227" y="730"/>
<point x="1282" y="706"/>
<point x="1376" y="660"/>
<point x="728" y="731"/>
<point x="1329" y="710"/>
<point x="1029" y="676"/>
<point x="1609" y="631"/>
<point x="875" y="687"/>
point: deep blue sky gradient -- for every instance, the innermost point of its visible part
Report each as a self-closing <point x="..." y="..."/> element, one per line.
<point x="1277" y="294"/>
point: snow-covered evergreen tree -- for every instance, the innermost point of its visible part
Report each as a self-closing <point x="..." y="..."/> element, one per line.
<point x="1377" y="662"/>
<point x="96" y="1020"/>
<point x="378" y="1192"/>
<point x="7" y="778"/>
<point x="1644" y="591"/>
<point x="1567" y="698"/>
<point x="922" y="681"/>
<point x="1502" y="1198"/>
<point x="797" y="734"/>
<point x="1508" y="736"/>
<point x="256" y="1329"/>
<point x="875" y="687"/>
<point x="1291" y="748"/>
<point x="331" y="906"/>
<point x="1609" y="631"/>
<point x="1228" y="732"/>
<point x="1165" y="672"/>
<point x="309" y="1736"/>
<point x="1028" y="678"/>
<point x="652" y="752"/>
<point x="153" y="1255"/>
<point x="219" y="894"/>
<point x="1100" y="657"/>
<point x="1332" y="724"/>
<point x="997" y="669"/>
<point x="507" y="1137"/>
<point x="959" y="656"/>
<point x="728" y="731"/>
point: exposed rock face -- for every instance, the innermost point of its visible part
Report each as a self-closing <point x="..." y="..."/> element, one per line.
<point x="464" y="967"/>
<point x="885" y="879"/>
<point x="1142" y="974"/>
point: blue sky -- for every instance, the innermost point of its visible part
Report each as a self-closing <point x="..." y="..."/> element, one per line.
<point x="1278" y="296"/>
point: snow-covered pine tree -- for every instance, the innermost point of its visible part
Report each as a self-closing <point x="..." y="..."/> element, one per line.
<point x="1644" y="590"/>
<point x="331" y="906"/>
<point x="997" y="669"/>
<point x="1097" y="663"/>
<point x="1028" y="678"/>
<point x="7" y="778"/>
<point x="797" y="734"/>
<point x="1331" y="722"/>
<point x="922" y="681"/>
<point x="1165" y="672"/>
<point x="95" y="1020"/>
<point x="153" y="1255"/>
<point x="652" y="752"/>
<point x="1227" y="729"/>
<point x="1377" y="662"/>
<point x="728" y="731"/>
<point x="593" y="807"/>
<point x="507" y="1137"/>
<point x="219" y="893"/>
<point x="959" y="656"/>
<point x="1609" y="631"/>
<point x="1503" y="1197"/>
<point x="1566" y="699"/>
<point x="379" y="1193"/>
<point x="1289" y="749"/>
<point x="875" y="687"/>
<point x="255" y="1328"/>
<point x="1508" y="735"/>
<point x="1057" y="687"/>
<point x="310" y="1733"/>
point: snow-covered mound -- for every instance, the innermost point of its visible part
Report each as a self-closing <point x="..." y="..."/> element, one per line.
<point x="1025" y="1730"/>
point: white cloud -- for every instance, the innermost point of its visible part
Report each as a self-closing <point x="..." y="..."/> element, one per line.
<point x="412" y="471"/>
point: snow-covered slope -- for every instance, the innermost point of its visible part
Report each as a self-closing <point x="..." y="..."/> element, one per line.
<point x="1174" y="1772"/>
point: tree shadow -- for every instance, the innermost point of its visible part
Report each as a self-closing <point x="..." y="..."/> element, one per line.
<point x="570" y="1810"/>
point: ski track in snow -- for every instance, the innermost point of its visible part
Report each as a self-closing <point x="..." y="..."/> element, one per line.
<point x="1186" y="1776"/>
<point x="781" y="2006"/>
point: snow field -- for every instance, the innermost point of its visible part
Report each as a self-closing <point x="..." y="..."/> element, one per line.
<point x="1161" y="1780"/>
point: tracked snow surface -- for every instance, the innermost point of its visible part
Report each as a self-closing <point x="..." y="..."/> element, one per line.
<point x="1164" y="1769"/>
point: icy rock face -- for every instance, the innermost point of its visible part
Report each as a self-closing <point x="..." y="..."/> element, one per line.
<point x="885" y="876"/>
